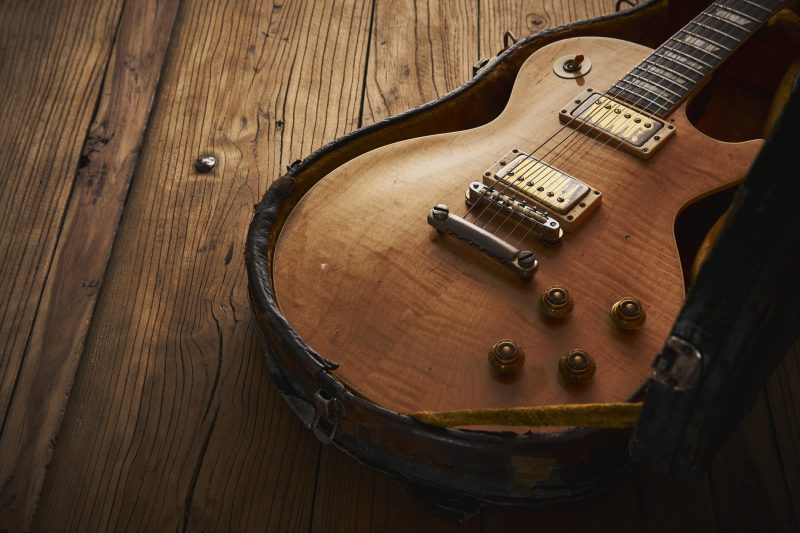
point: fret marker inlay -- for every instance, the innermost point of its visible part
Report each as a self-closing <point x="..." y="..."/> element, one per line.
<point x="732" y="17"/>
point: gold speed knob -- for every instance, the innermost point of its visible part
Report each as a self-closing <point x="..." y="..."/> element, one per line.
<point x="628" y="314"/>
<point x="577" y="367"/>
<point x="506" y="358"/>
<point x="556" y="302"/>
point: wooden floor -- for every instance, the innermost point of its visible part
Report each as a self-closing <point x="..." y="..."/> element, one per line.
<point x="133" y="390"/>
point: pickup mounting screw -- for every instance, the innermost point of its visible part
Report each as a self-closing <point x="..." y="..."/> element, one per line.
<point x="628" y="314"/>
<point x="506" y="359"/>
<point x="577" y="368"/>
<point x="556" y="302"/>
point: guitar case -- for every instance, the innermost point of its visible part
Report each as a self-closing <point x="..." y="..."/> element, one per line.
<point x="740" y="316"/>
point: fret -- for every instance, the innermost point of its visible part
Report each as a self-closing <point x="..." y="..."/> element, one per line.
<point x="663" y="79"/>
<point x="661" y="87"/>
<point x="769" y="11"/>
<point x="690" y="58"/>
<point x="728" y="22"/>
<point x="697" y="43"/>
<point x="651" y="88"/>
<point x="740" y="13"/>
<point x="667" y="69"/>
<point x="680" y="64"/>
<point x="646" y="94"/>
<point x="715" y="30"/>
<point x="636" y="99"/>
<point x="712" y="43"/>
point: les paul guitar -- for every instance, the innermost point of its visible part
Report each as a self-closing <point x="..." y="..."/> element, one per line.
<point x="530" y="261"/>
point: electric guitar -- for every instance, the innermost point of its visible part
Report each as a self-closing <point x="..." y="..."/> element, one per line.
<point x="529" y="261"/>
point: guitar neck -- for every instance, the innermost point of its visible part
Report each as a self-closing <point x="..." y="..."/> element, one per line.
<point x="661" y="82"/>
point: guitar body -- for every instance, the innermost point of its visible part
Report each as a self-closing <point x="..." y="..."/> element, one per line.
<point x="410" y="314"/>
<point x="371" y="316"/>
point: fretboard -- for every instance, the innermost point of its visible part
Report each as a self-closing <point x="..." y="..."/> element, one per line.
<point x="661" y="81"/>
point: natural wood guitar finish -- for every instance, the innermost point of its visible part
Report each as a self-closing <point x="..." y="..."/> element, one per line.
<point x="410" y="315"/>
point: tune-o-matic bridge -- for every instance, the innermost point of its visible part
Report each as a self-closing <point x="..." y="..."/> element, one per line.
<point x="610" y="119"/>
<point x="556" y="194"/>
<point x="517" y="210"/>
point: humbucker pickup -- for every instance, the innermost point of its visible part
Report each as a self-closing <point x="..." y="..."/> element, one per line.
<point x="610" y="119"/>
<point x="556" y="193"/>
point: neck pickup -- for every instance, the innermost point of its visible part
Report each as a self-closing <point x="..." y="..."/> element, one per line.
<point x="617" y="123"/>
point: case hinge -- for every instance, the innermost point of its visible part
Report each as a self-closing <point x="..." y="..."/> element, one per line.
<point x="327" y="413"/>
<point x="678" y="365"/>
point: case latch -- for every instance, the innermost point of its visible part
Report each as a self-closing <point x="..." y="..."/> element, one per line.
<point x="678" y="365"/>
<point x="328" y="411"/>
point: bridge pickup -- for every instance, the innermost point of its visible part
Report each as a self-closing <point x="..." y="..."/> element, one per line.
<point x="523" y="263"/>
<point x="551" y="191"/>
<point x="533" y="219"/>
<point x="609" y="118"/>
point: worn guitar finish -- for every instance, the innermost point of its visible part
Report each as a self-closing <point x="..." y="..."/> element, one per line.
<point x="409" y="314"/>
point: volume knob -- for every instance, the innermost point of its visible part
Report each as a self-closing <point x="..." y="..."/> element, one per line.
<point x="506" y="359"/>
<point x="628" y="314"/>
<point x="556" y="302"/>
<point x="577" y="368"/>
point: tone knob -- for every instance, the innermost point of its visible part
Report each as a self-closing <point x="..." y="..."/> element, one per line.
<point x="506" y="359"/>
<point x="628" y="314"/>
<point x="577" y="367"/>
<point x="556" y="302"/>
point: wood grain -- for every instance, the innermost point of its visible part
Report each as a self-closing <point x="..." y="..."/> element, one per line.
<point x="615" y="509"/>
<point x="84" y="246"/>
<point x="173" y="424"/>
<point x="52" y="59"/>
<point x="420" y="50"/>
<point x="783" y="400"/>
<point x="747" y="476"/>
<point x="675" y="504"/>
<point x="431" y="306"/>
<point x="524" y="17"/>
<point x="352" y="497"/>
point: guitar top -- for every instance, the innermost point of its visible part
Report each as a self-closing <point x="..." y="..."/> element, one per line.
<point x="529" y="261"/>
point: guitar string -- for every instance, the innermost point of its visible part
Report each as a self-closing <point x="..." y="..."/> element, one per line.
<point x="565" y="164"/>
<point x="573" y="132"/>
<point x="649" y="70"/>
<point x="511" y="212"/>
<point x="614" y="109"/>
<point x="547" y="168"/>
<point x="652" y="82"/>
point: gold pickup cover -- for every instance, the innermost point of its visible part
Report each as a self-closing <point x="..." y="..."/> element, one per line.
<point x="564" y="197"/>
<point x="616" y="123"/>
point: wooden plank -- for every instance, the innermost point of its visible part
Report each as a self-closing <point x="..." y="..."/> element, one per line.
<point x="76" y="273"/>
<point x="524" y="17"/>
<point x="614" y="509"/>
<point x="747" y="479"/>
<point x="783" y="396"/>
<point x="420" y="51"/>
<point x="52" y="59"/>
<point x="676" y="504"/>
<point x="173" y="423"/>
<point x="352" y="497"/>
